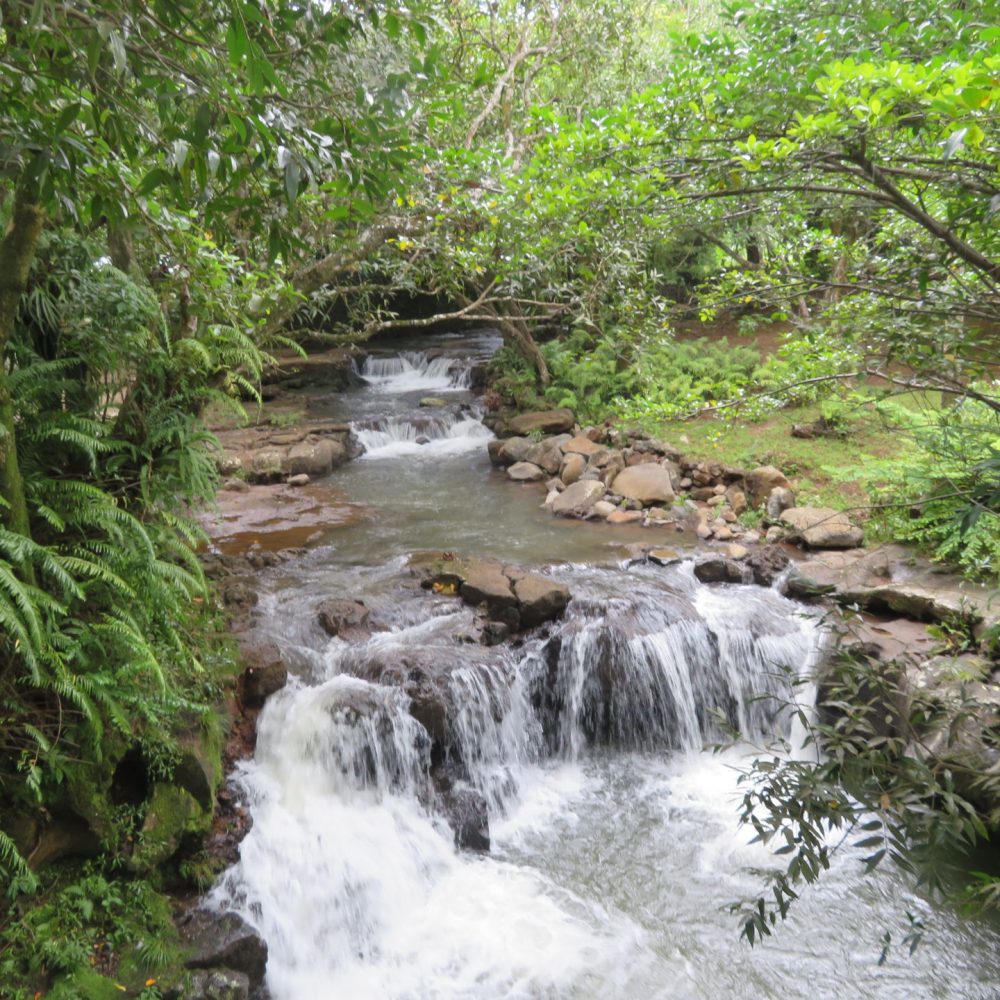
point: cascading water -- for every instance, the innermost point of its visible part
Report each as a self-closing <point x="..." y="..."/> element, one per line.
<point x="414" y="371"/>
<point x="614" y="849"/>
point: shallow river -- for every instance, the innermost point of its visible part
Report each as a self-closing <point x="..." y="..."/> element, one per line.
<point x="615" y="848"/>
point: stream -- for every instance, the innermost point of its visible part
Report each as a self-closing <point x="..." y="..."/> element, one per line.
<point x="615" y="850"/>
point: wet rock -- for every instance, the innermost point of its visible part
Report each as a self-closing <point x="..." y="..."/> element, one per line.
<point x="719" y="569"/>
<point x="232" y="484"/>
<point x="761" y="481"/>
<point x="648" y="483"/>
<point x="823" y="527"/>
<point x="546" y="421"/>
<point x="603" y="509"/>
<point x="466" y="812"/>
<point x="767" y="564"/>
<point x="525" y="472"/>
<point x="302" y="479"/>
<point x="578" y="499"/>
<point x="239" y="594"/>
<point x="433" y="401"/>
<point x="779" y="500"/>
<point x="540" y="599"/>
<point x="344" y="618"/>
<point x="572" y="468"/>
<point x="223" y="940"/>
<point x="265" y="675"/>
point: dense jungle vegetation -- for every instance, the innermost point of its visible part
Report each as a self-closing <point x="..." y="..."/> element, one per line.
<point x="187" y="187"/>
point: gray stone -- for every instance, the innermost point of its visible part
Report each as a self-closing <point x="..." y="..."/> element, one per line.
<point x="581" y="446"/>
<point x="486" y="584"/>
<point x="525" y="472"/>
<point x="547" y="455"/>
<point x="823" y="527"/>
<point x="223" y="940"/>
<point x="779" y="500"/>
<point x="315" y="458"/>
<point x="572" y="468"/>
<point x="719" y="569"/>
<point x="540" y="599"/>
<point x="433" y="401"/>
<point x="603" y="509"/>
<point x="578" y="499"/>
<point x="761" y="481"/>
<point x="302" y="479"/>
<point x="648" y="483"/>
<point x="515" y="449"/>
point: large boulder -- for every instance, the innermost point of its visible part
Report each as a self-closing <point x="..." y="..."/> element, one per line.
<point x="314" y="458"/>
<point x="546" y="421"/>
<point x="760" y="482"/>
<point x="649" y="483"/>
<point x="823" y="527"/>
<point x="578" y="499"/>
<point x="486" y="584"/>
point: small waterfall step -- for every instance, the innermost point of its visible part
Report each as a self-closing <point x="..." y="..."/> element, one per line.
<point x="416" y="371"/>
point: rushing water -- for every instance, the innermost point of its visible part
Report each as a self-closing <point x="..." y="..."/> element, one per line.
<point x="615" y="850"/>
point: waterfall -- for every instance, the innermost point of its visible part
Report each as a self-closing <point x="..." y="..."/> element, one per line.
<point x="414" y="371"/>
<point x="448" y="433"/>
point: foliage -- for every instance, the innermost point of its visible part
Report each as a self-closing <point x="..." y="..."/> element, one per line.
<point x="87" y="918"/>
<point x="892" y="769"/>
<point x="944" y="492"/>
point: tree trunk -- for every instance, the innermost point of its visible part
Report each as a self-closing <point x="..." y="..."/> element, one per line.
<point x="17" y="251"/>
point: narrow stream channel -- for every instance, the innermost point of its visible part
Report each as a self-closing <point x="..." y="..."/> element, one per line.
<point x="615" y="850"/>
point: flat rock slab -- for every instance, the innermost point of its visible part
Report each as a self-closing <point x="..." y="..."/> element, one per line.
<point x="892" y="579"/>
<point x="546" y="421"/>
<point x="823" y="527"/>
<point x="509" y="594"/>
<point x="649" y="483"/>
<point x="581" y="446"/>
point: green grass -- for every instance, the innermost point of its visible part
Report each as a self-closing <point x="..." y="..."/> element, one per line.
<point x="822" y="469"/>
